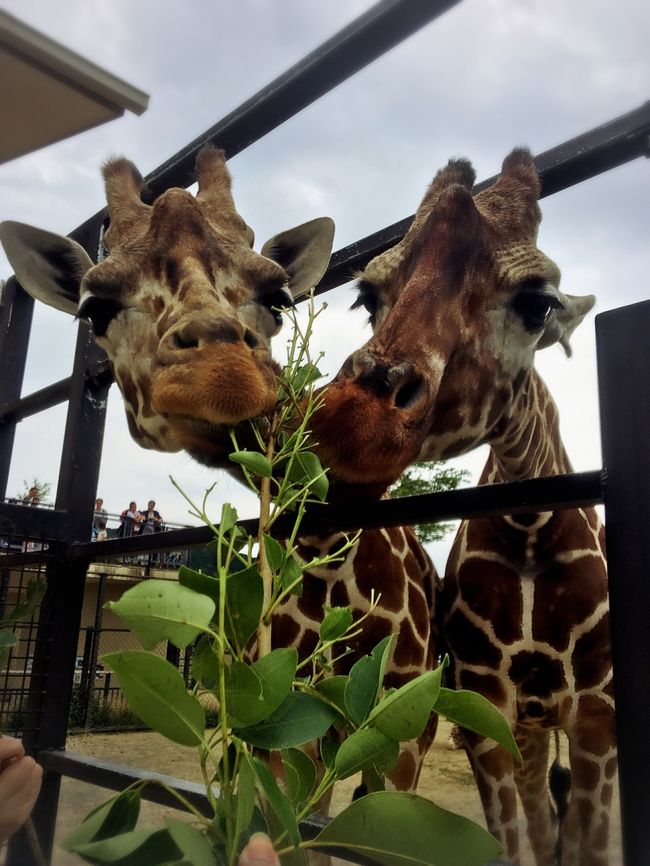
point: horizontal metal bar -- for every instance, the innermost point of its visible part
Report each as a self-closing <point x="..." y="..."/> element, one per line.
<point x="26" y="521"/>
<point x="516" y="497"/>
<point x="614" y="143"/>
<point x="116" y="777"/>
<point x="383" y="26"/>
<point x="52" y="395"/>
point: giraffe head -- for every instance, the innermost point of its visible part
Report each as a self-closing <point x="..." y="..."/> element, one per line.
<point x="458" y="309"/>
<point x="182" y="305"/>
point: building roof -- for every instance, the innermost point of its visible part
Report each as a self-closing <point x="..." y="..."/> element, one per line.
<point x="48" y="92"/>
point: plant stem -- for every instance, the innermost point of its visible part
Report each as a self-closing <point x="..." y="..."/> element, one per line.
<point x="264" y="627"/>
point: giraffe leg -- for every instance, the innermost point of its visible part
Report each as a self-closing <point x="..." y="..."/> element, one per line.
<point x="494" y="775"/>
<point x="532" y="785"/>
<point x="592" y="752"/>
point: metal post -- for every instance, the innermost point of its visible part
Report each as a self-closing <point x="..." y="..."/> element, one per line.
<point x="624" y="387"/>
<point x="16" y="311"/>
<point x="52" y="678"/>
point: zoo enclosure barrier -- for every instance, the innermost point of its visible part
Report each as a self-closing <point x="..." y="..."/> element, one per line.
<point x="58" y="537"/>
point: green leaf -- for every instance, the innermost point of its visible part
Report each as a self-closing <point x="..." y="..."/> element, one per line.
<point x="474" y="712"/>
<point x="244" y="599"/>
<point x="275" y="553"/>
<point x="243" y="695"/>
<point x="365" y="748"/>
<point x="276" y="672"/>
<point x="277" y="801"/>
<point x="333" y="691"/>
<point x="205" y="663"/>
<point x="245" y="797"/>
<point x="404" y="713"/>
<point x="300" y="775"/>
<point x="158" y="610"/>
<point x="199" y="582"/>
<point x="336" y="622"/>
<point x="299" y="719"/>
<point x="7" y="638"/>
<point x="118" y="815"/>
<point x="155" y="690"/>
<point x="290" y="573"/>
<point x="193" y="845"/>
<point x="364" y="681"/>
<point x="255" y="462"/>
<point x="228" y="517"/>
<point x="398" y="829"/>
<point x="307" y="471"/>
<point x="328" y="751"/>
<point x="304" y="376"/>
<point x="33" y="597"/>
<point x="136" y="848"/>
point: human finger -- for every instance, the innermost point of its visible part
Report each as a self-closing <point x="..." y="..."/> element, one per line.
<point x="258" y="852"/>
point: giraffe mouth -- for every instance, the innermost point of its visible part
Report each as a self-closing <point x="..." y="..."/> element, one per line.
<point x="207" y="442"/>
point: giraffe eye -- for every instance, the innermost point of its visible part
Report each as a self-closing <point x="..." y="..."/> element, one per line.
<point x="367" y="298"/>
<point x="534" y="308"/>
<point x="100" y="312"/>
<point x="276" y="300"/>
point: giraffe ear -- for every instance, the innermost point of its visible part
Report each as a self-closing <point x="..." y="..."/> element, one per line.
<point x="48" y="266"/>
<point x="563" y="321"/>
<point x="304" y="253"/>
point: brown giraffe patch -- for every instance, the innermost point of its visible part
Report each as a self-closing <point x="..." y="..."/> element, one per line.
<point x="536" y="674"/>
<point x="471" y="645"/>
<point x="553" y="618"/>
<point x="408" y="649"/>
<point x="591" y="655"/>
<point x="375" y="567"/>
<point x="488" y="685"/>
<point x="496" y="598"/>
<point x="598" y="734"/>
<point x="313" y="597"/>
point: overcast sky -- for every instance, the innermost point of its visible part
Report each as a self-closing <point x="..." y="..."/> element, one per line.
<point x="487" y="76"/>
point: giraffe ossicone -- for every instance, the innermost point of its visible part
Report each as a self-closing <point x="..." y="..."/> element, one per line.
<point x="458" y="308"/>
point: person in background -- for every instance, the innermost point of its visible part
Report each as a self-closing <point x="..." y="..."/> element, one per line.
<point x="131" y="520"/>
<point x="102" y="534"/>
<point x="20" y="783"/>
<point x="151" y="519"/>
<point x="32" y="497"/>
<point x="100" y="515"/>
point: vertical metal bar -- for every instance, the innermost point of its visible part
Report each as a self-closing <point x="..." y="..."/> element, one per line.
<point x="624" y="388"/>
<point x="16" y="311"/>
<point x="60" y="620"/>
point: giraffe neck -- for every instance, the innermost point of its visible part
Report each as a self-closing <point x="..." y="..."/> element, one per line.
<point x="529" y="444"/>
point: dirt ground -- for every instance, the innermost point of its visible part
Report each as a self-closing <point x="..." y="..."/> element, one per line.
<point x="446" y="779"/>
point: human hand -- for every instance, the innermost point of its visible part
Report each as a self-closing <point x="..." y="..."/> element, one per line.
<point x="258" y="852"/>
<point x="20" y="782"/>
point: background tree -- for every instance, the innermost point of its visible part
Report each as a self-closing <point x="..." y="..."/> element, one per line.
<point x="429" y="477"/>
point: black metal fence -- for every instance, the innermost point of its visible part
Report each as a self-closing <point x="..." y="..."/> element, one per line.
<point x="53" y="543"/>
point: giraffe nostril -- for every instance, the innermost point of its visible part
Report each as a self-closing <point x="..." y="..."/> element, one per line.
<point x="184" y="341"/>
<point x="250" y="339"/>
<point x="409" y="393"/>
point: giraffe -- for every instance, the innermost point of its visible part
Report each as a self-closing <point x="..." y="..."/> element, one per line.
<point x="458" y="309"/>
<point x="185" y="310"/>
